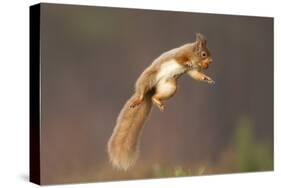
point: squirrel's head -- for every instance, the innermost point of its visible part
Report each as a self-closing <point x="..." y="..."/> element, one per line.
<point x="202" y="56"/>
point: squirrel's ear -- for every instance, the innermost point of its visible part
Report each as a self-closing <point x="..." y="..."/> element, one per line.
<point x="200" y="40"/>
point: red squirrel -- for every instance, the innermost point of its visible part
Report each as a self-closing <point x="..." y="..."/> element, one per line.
<point x="157" y="83"/>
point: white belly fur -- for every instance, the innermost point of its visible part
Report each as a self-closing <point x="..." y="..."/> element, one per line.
<point x="166" y="87"/>
<point x="169" y="69"/>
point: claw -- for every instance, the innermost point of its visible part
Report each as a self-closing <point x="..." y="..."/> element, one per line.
<point x="211" y="82"/>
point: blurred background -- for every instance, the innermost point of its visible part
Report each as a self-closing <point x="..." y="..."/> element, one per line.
<point x="90" y="60"/>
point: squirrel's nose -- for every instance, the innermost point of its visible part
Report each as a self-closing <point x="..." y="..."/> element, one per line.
<point x="210" y="61"/>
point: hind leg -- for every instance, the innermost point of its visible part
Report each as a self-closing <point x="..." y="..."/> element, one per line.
<point x="164" y="90"/>
<point x="143" y="86"/>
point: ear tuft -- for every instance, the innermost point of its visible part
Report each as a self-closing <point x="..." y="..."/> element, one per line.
<point x="201" y="39"/>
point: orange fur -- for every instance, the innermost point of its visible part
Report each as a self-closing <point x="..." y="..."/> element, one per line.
<point x="123" y="145"/>
<point x="158" y="82"/>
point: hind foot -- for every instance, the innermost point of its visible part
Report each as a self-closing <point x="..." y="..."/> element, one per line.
<point x="159" y="104"/>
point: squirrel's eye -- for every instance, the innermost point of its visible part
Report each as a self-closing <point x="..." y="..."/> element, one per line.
<point x="203" y="54"/>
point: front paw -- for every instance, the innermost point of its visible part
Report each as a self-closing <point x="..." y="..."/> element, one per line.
<point x="209" y="80"/>
<point x="188" y="64"/>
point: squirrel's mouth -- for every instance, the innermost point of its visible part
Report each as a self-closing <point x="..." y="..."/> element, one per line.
<point x="205" y="64"/>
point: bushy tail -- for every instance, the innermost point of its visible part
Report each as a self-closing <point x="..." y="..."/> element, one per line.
<point x="123" y="145"/>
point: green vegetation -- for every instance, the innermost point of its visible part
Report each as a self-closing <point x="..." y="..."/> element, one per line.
<point x="245" y="154"/>
<point x="178" y="171"/>
<point x="251" y="155"/>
